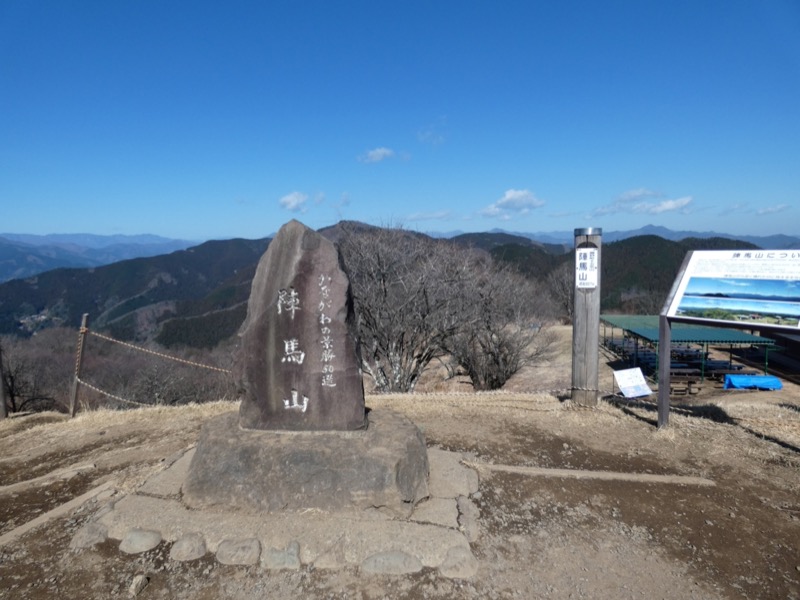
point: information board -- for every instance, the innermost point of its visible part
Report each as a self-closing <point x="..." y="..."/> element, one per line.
<point x="743" y="287"/>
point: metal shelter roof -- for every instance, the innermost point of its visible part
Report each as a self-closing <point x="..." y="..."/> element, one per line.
<point x="646" y="327"/>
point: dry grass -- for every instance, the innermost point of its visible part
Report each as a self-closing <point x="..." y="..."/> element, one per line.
<point x="34" y="435"/>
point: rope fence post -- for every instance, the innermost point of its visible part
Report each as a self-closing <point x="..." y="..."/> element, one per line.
<point x="73" y="401"/>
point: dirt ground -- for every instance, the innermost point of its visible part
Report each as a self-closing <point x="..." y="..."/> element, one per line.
<point x="540" y="536"/>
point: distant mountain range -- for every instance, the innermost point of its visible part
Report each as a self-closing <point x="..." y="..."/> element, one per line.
<point x="197" y="296"/>
<point x="25" y="255"/>
<point x="567" y="238"/>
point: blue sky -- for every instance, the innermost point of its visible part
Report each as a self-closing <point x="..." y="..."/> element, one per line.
<point x="202" y="120"/>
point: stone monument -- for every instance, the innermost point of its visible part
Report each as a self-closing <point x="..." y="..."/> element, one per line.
<point x="303" y="437"/>
<point x="299" y="364"/>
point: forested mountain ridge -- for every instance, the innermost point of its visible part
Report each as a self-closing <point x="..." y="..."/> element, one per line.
<point x="637" y="273"/>
<point x="197" y="297"/>
<point x="133" y="298"/>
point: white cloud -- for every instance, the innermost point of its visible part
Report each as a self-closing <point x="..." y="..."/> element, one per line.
<point x="637" y="194"/>
<point x="663" y="206"/>
<point x="294" y="202"/>
<point x="513" y="202"/>
<point x="771" y="210"/>
<point x="643" y="201"/>
<point x="376" y="155"/>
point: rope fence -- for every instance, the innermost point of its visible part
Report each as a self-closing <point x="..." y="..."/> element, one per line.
<point x="78" y="381"/>
<point x="109" y="394"/>
<point x="481" y="397"/>
<point x="154" y="353"/>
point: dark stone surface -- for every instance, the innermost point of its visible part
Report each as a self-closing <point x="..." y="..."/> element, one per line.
<point x="255" y="471"/>
<point x="298" y="365"/>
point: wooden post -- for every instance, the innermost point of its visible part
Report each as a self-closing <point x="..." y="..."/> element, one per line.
<point x="664" y="365"/>
<point x="3" y="408"/>
<point x="73" y="402"/>
<point x="586" y="322"/>
<point x="665" y="348"/>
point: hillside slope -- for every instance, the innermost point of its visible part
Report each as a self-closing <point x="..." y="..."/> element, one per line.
<point x="130" y="298"/>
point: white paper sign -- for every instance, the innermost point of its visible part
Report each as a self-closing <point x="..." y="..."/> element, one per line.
<point x="586" y="268"/>
<point x="631" y="383"/>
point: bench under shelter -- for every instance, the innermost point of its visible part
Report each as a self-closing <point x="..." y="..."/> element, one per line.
<point x="636" y="337"/>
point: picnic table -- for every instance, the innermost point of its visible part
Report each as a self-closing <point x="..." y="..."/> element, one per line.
<point x="684" y="384"/>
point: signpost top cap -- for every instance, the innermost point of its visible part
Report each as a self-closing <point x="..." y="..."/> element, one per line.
<point x="589" y="231"/>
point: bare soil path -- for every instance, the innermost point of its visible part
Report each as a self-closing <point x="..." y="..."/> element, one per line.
<point x="540" y="536"/>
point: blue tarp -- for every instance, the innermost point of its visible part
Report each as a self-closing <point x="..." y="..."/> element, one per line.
<point x="752" y="382"/>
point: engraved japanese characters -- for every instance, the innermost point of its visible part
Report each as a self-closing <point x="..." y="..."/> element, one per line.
<point x="298" y="366"/>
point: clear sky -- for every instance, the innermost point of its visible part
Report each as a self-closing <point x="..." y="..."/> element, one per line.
<point x="203" y="119"/>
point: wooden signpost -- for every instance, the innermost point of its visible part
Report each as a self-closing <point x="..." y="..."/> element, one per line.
<point x="586" y="321"/>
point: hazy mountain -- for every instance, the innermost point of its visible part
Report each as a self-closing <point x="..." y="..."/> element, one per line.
<point x="492" y="240"/>
<point x="197" y="296"/>
<point x="91" y="240"/>
<point x="568" y="237"/>
<point x="24" y="255"/>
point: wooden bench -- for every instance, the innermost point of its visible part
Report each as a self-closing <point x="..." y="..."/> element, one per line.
<point x="681" y="385"/>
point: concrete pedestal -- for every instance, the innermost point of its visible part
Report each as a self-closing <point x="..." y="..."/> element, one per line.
<point x="384" y="466"/>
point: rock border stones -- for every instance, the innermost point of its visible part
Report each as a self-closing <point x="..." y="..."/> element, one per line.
<point x="367" y="540"/>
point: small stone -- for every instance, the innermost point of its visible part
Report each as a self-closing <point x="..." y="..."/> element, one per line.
<point x="139" y="582"/>
<point x="468" y="515"/>
<point x="139" y="540"/>
<point x="459" y="563"/>
<point x="239" y="552"/>
<point x="392" y="562"/>
<point x="91" y="534"/>
<point x="190" y="547"/>
<point x="288" y="558"/>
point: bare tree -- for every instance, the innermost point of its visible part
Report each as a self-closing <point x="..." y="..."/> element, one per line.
<point x="502" y="327"/>
<point x="25" y="377"/>
<point x="417" y="299"/>
<point x="561" y="286"/>
<point x="141" y="378"/>
<point x="404" y="294"/>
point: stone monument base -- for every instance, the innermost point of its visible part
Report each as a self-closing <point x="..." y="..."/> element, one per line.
<point x="384" y="466"/>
